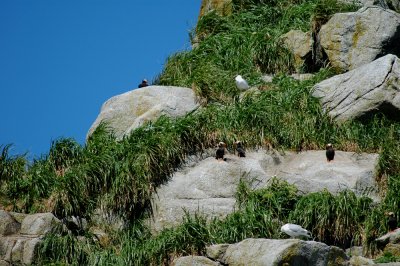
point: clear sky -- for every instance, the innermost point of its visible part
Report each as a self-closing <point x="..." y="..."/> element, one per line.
<point x="60" y="60"/>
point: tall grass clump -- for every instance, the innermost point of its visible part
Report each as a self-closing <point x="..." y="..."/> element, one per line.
<point x="247" y="42"/>
<point x="335" y="220"/>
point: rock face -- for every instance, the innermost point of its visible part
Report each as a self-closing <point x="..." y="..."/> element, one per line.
<point x="392" y="4"/>
<point x="389" y="238"/>
<point x="351" y="40"/>
<point x="363" y="91"/>
<point x="300" y="44"/>
<point x="19" y="245"/>
<point x="222" y="7"/>
<point x="130" y="110"/>
<point x="194" y="261"/>
<point x="267" y="252"/>
<point x="209" y="186"/>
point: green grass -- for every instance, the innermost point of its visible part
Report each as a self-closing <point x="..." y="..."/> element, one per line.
<point x="120" y="176"/>
<point x="386" y="258"/>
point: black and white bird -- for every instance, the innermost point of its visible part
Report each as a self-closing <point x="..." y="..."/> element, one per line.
<point x="220" y="151"/>
<point x="392" y="221"/>
<point x="330" y="152"/>
<point x="294" y="230"/>
<point x="240" y="149"/>
<point x="241" y="83"/>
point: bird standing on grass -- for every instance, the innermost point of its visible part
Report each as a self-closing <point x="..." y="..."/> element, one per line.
<point x="241" y="83"/>
<point x="330" y="152"/>
<point x="294" y="230"/>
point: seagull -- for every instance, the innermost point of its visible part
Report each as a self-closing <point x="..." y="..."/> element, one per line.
<point x="294" y="230"/>
<point x="241" y="83"/>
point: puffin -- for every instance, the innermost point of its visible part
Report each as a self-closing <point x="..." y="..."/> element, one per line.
<point x="240" y="149"/>
<point x="392" y="222"/>
<point x="330" y="152"/>
<point x="220" y="151"/>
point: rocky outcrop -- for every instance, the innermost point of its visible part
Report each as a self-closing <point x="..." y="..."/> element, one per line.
<point x="392" y="237"/>
<point x="222" y="7"/>
<point x="20" y="240"/>
<point x="353" y="39"/>
<point x="300" y="44"/>
<point x="363" y="92"/>
<point x="392" y="4"/>
<point x="208" y="186"/>
<point x="194" y="261"/>
<point x="127" y="111"/>
<point x="260" y="252"/>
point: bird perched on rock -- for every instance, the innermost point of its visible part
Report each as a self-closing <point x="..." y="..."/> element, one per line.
<point x="294" y="230"/>
<point x="392" y="221"/>
<point x="330" y="152"/>
<point x="241" y="83"/>
<point x="220" y="151"/>
<point x="240" y="149"/>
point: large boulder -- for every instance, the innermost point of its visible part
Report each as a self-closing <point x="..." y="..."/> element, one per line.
<point x="127" y="111"/>
<point x="363" y="92"/>
<point x="259" y="252"/>
<point x="392" y="237"/>
<point x="39" y="224"/>
<point x="356" y="38"/>
<point x="8" y="225"/>
<point x="300" y="44"/>
<point x="19" y="250"/>
<point x="19" y="240"/>
<point x="208" y="186"/>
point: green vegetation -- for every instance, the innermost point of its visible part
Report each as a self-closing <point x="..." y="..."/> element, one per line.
<point x="121" y="175"/>
<point x="386" y="258"/>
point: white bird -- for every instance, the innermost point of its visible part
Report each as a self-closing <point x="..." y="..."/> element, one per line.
<point x="241" y="83"/>
<point x="295" y="230"/>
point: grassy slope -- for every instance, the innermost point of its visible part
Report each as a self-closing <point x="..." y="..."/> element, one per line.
<point x="122" y="175"/>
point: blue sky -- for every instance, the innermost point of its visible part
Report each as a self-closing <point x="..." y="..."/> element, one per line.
<point x="60" y="60"/>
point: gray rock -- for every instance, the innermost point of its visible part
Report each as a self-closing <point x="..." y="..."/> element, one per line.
<point x="354" y="251"/>
<point x="39" y="224"/>
<point x="8" y="225"/>
<point x="361" y="92"/>
<point x="216" y="252"/>
<point x="353" y="39"/>
<point x="259" y="252"/>
<point x="208" y="186"/>
<point x="19" y="217"/>
<point x="6" y="246"/>
<point x="30" y="250"/>
<point x="300" y="44"/>
<point x="390" y="237"/>
<point x="19" y="250"/>
<point x="310" y="172"/>
<point x="392" y="4"/>
<point x="4" y="263"/>
<point x="127" y="111"/>
<point x="360" y="261"/>
<point x="194" y="261"/>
